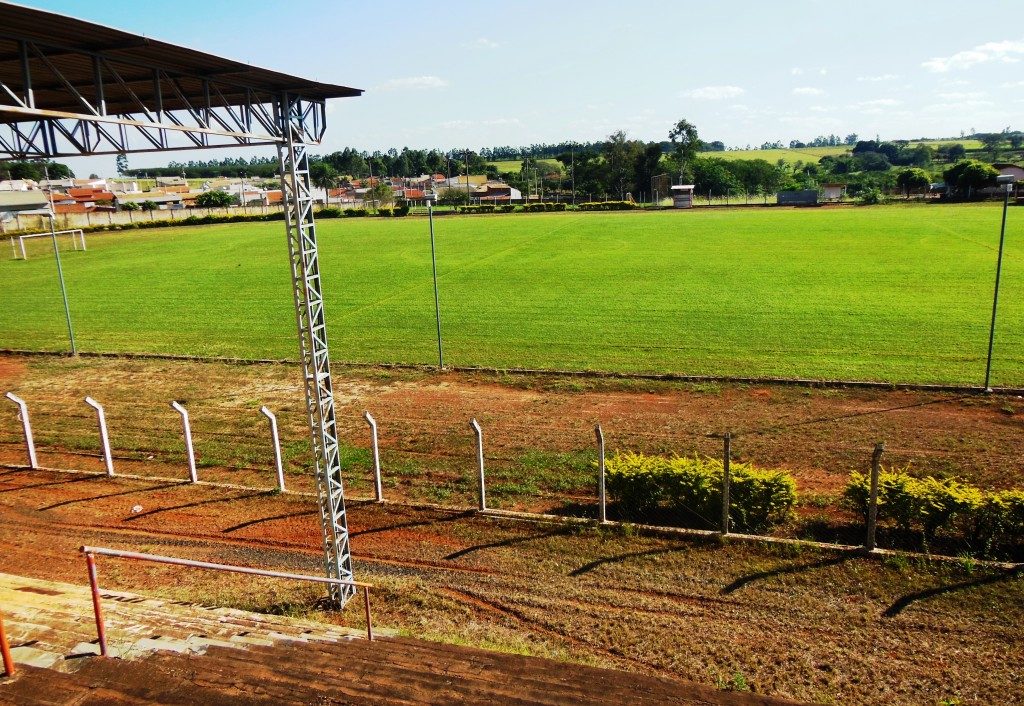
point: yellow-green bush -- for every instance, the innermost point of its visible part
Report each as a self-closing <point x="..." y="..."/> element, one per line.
<point x="759" y="499"/>
<point x="928" y="503"/>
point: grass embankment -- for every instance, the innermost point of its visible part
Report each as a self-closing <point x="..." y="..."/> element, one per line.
<point x="896" y="294"/>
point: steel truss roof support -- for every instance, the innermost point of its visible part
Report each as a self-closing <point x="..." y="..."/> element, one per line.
<point x="69" y="88"/>
<point x="313" y="350"/>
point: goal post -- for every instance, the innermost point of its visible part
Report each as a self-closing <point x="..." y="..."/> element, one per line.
<point x="76" y="235"/>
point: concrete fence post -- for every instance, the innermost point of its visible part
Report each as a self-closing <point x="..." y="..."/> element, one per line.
<point x="101" y="420"/>
<point x="599" y="435"/>
<point x="275" y="441"/>
<point x="26" y="424"/>
<point x="480" y="460"/>
<point x="876" y="459"/>
<point x="378" y="485"/>
<point x="187" y="430"/>
<point x="726" y="480"/>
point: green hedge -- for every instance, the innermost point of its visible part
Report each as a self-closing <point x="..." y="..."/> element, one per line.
<point x="482" y="208"/>
<point x="607" y="206"/>
<point x="542" y="207"/>
<point x="985" y="520"/>
<point x="759" y="499"/>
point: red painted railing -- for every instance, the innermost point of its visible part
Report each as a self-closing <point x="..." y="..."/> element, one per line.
<point x="101" y="631"/>
<point x="5" y="650"/>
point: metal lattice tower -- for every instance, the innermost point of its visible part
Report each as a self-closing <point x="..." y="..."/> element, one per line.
<point x="69" y="87"/>
<point x="313" y="350"/>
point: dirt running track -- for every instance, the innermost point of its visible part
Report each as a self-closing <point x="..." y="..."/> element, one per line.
<point x="784" y="622"/>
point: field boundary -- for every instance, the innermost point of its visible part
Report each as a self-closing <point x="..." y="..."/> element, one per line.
<point x="546" y="372"/>
<point x="546" y="518"/>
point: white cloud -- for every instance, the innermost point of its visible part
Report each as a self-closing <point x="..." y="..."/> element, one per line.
<point x="821" y="109"/>
<point x="822" y="72"/>
<point x="482" y="43"/>
<point x="808" y="91"/>
<point x="1008" y="51"/>
<point x="1012" y="84"/>
<point x="412" y="82"/>
<point x="796" y="71"/>
<point x="963" y="95"/>
<point x="456" y="124"/>
<point x="876" y="79"/>
<point x="714" y="93"/>
<point x="878" y="103"/>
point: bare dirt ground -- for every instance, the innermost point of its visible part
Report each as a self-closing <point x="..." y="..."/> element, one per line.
<point x="786" y="621"/>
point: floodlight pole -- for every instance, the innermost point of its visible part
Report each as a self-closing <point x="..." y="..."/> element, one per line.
<point x="995" y="296"/>
<point x="437" y="302"/>
<point x="56" y="256"/>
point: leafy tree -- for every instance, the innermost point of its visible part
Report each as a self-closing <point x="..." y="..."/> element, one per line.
<point x="956" y="152"/>
<point x="35" y="171"/>
<point x="130" y="206"/>
<point x="380" y="193"/>
<point x="969" y="175"/>
<point x="715" y="146"/>
<point x="1016" y="139"/>
<point x="148" y="205"/>
<point x="620" y="158"/>
<point x="323" y="176"/>
<point x="992" y="141"/>
<point x="872" y="162"/>
<point x="685" y="142"/>
<point x="121" y="164"/>
<point x="453" y="197"/>
<point x="713" y="175"/>
<point x="214" y="199"/>
<point x="912" y="179"/>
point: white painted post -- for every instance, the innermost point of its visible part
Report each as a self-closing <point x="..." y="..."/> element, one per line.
<point x="275" y="440"/>
<point x="187" y="428"/>
<point x="101" y="419"/>
<point x="21" y="242"/>
<point x="378" y="486"/>
<point x="30" y="444"/>
<point x="480" y="461"/>
<point x="600" y="478"/>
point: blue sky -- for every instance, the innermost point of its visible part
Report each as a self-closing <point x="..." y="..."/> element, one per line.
<point x="461" y="74"/>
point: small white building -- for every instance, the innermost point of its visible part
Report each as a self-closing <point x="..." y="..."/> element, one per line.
<point x="833" y="192"/>
<point x="682" y="195"/>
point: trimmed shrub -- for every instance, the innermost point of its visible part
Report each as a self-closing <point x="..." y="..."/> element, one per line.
<point x="402" y="210"/>
<point x="354" y="212"/>
<point x="607" y="206"/>
<point x="759" y="499"/>
<point x="329" y="212"/>
<point x="929" y="504"/>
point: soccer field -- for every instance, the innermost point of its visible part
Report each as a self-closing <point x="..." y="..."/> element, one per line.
<point x="897" y="293"/>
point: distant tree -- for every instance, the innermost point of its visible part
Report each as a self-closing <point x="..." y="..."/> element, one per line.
<point x="130" y="206"/>
<point x="715" y="146"/>
<point x="992" y="141"/>
<point x="872" y="162"/>
<point x="94" y="176"/>
<point x="1016" y="139"/>
<point x="453" y="197"/>
<point x="215" y="199"/>
<point x="912" y="179"/>
<point x="956" y="152"/>
<point x="865" y="146"/>
<point x="851" y="139"/>
<point x="969" y="175"/>
<point x="685" y="142"/>
<point x="148" y="205"/>
<point x="380" y="193"/>
<point x="121" y="164"/>
<point x="324" y="176"/>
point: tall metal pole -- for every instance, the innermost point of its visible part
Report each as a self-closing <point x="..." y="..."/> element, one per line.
<point x="437" y="301"/>
<point x="995" y="296"/>
<point x="60" y="270"/>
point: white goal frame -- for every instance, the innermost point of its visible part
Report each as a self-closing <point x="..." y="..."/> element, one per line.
<point x="77" y="236"/>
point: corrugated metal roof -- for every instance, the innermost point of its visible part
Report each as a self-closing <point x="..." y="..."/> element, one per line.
<point x="70" y="44"/>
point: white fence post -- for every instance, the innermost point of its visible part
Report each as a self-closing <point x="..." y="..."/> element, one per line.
<point x="101" y="419"/>
<point x="275" y="440"/>
<point x="30" y="444"/>
<point x="378" y="486"/>
<point x="600" y="478"/>
<point x="187" y="428"/>
<point x="480" y="461"/>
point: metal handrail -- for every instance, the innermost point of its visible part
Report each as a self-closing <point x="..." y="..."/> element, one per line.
<point x="101" y="631"/>
<point x="5" y="650"/>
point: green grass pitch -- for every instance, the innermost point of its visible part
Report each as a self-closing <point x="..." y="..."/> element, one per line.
<point x="896" y="294"/>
